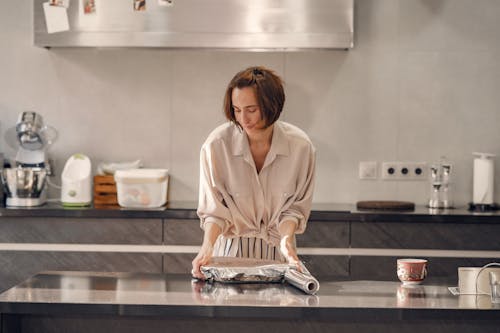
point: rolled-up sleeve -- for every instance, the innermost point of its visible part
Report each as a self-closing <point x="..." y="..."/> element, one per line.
<point x="211" y="207"/>
<point x="300" y="208"/>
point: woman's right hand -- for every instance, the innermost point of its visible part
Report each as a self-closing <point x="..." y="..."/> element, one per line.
<point x="212" y="231"/>
<point x="201" y="259"/>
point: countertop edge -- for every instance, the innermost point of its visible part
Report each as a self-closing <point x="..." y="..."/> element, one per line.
<point x="321" y="212"/>
<point x="338" y="314"/>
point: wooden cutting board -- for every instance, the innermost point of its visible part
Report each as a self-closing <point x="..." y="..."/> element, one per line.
<point x="385" y="205"/>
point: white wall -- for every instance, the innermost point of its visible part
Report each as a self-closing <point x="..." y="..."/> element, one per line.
<point x="421" y="82"/>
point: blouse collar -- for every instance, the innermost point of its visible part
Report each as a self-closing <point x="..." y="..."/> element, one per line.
<point x="279" y="142"/>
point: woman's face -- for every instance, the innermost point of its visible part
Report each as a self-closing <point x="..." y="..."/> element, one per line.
<point x="246" y="109"/>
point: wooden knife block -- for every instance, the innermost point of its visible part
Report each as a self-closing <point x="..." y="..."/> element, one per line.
<point x="105" y="191"/>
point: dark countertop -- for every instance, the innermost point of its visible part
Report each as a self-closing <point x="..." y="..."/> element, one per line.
<point x="320" y="212"/>
<point x="149" y="294"/>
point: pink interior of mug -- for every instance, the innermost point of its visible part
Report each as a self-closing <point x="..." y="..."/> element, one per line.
<point x="411" y="260"/>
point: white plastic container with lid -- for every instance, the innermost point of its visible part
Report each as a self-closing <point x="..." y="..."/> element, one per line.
<point x="142" y="188"/>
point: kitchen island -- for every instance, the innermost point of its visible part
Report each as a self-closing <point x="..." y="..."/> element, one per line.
<point x="140" y="302"/>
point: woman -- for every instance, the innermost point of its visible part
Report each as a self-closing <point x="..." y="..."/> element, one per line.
<point x="256" y="176"/>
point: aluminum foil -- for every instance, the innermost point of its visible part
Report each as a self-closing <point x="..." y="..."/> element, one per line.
<point x="246" y="270"/>
<point x="269" y="294"/>
<point x="302" y="280"/>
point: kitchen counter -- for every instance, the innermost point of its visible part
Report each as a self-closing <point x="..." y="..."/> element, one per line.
<point x="92" y="296"/>
<point x="320" y="212"/>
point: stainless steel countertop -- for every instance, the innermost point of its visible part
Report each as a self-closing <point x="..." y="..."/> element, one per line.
<point x="157" y="294"/>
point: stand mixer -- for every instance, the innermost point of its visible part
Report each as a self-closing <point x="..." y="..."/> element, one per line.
<point x="25" y="181"/>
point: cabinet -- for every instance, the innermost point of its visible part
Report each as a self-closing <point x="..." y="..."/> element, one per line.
<point x="439" y="238"/>
<point x="31" y="245"/>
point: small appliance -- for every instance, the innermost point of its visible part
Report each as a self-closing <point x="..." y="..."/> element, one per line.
<point x="483" y="183"/>
<point x="25" y="180"/>
<point x="76" y="184"/>
<point x="1" y="183"/>
<point x="441" y="184"/>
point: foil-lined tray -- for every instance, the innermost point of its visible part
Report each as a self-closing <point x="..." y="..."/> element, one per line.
<point x="247" y="270"/>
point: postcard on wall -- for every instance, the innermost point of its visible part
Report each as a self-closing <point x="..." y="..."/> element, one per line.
<point x="165" y="3"/>
<point x="59" y="3"/>
<point x="139" y="5"/>
<point x="88" y="6"/>
<point x="56" y="18"/>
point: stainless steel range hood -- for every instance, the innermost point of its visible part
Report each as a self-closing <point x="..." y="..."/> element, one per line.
<point x="205" y="24"/>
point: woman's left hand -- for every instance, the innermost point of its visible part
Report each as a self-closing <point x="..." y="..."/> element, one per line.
<point x="287" y="248"/>
<point x="287" y="243"/>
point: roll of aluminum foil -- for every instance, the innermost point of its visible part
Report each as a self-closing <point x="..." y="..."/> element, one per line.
<point x="246" y="270"/>
<point x="305" y="282"/>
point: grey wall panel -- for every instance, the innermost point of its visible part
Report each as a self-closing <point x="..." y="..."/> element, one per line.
<point x="324" y="234"/>
<point x="178" y="262"/>
<point x="62" y="230"/>
<point x="372" y="103"/>
<point x="17" y="266"/>
<point x="317" y="234"/>
<point x="182" y="232"/>
<point x="426" y="236"/>
<point x="327" y="266"/>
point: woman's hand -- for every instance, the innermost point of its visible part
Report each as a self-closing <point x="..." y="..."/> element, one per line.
<point x="201" y="259"/>
<point x="212" y="231"/>
<point x="287" y="243"/>
<point x="287" y="248"/>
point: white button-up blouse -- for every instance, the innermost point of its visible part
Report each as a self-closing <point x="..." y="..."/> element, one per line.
<point x="244" y="203"/>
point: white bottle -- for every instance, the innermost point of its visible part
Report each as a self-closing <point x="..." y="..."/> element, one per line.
<point x="483" y="179"/>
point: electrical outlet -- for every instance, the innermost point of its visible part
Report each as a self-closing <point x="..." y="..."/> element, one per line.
<point x="404" y="171"/>
<point x="368" y="170"/>
<point x="389" y="170"/>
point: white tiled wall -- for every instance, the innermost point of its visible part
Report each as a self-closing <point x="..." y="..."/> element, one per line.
<point x="422" y="81"/>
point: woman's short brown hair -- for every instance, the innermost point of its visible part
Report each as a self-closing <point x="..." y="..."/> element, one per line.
<point x="269" y="90"/>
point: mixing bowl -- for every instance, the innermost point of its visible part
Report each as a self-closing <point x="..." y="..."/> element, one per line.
<point x="24" y="183"/>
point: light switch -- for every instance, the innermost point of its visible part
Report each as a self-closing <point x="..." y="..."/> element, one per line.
<point x="368" y="170"/>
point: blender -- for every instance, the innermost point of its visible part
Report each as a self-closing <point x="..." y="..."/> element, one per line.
<point x="24" y="180"/>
